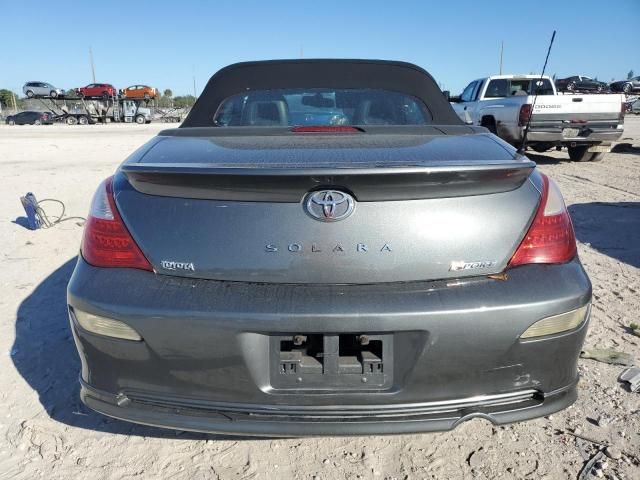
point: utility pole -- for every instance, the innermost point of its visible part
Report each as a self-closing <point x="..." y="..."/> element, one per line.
<point x="501" y="52"/>
<point x="93" y="67"/>
<point x="15" y="105"/>
<point x="194" y="81"/>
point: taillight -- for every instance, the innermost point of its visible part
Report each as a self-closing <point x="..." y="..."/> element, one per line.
<point x="523" y="115"/>
<point x="550" y="238"/>
<point x="106" y="241"/>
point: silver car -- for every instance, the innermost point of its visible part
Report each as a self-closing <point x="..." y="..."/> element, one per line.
<point x="323" y="247"/>
<point x="42" y="89"/>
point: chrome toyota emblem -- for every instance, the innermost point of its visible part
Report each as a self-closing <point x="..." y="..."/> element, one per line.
<point x="329" y="205"/>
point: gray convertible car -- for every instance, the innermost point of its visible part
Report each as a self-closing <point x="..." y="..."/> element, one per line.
<point x="323" y="248"/>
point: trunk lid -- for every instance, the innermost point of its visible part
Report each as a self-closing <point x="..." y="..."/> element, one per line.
<point x="235" y="207"/>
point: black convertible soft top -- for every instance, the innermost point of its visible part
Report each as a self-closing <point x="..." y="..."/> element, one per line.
<point x="400" y="77"/>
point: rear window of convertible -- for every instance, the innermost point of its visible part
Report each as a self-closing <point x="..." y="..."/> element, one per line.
<point x="321" y="106"/>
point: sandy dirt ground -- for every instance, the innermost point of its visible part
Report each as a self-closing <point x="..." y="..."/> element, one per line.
<point x="46" y="433"/>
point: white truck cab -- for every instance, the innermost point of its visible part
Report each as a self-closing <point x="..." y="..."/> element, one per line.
<point x="585" y="124"/>
<point x="131" y="111"/>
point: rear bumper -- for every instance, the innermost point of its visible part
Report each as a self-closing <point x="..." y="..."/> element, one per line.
<point x="204" y="362"/>
<point x="553" y="134"/>
<point x="265" y="420"/>
<point x="591" y="136"/>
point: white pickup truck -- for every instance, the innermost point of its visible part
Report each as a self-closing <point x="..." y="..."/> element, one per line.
<point x="585" y="124"/>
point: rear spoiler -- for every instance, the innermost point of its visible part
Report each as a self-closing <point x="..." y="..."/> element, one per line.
<point x="291" y="184"/>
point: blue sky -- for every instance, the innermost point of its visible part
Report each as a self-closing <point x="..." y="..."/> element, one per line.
<point x="164" y="44"/>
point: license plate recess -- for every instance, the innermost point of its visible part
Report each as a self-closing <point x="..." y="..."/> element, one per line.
<point x="333" y="362"/>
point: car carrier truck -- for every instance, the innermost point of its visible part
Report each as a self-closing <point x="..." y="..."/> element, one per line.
<point x="79" y="110"/>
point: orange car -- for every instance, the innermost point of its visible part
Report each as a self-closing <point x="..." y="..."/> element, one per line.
<point x="140" y="91"/>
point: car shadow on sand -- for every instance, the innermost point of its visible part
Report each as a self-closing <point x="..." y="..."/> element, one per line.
<point x="545" y="159"/>
<point x="45" y="355"/>
<point x="624" y="147"/>
<point x="610" y="228"/>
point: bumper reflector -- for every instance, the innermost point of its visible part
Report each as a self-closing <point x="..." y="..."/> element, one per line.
<point x="104" y="326"/>
<point x="557" y="323"/>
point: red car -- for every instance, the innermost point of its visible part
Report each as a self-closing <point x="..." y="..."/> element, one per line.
<point x="97" y="90"/>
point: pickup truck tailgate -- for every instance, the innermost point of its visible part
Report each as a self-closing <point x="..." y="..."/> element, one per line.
<point x="578" y="109"/>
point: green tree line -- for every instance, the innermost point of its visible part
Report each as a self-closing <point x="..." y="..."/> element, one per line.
<point x="7" y="98"/>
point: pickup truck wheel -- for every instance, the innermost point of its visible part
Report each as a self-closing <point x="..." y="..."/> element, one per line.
<point x="29" y="94"/>
<point x="12" y="122"/>
<point x="105" y="96"/>
<point x="626" y="88"/>
<point x="53" y="94"/>
<point x="571" y="87"/>
<point x="597" y="156"/>
<point x="490" y="124"/>
<point x="140" y="119"/>
<point x="37" y="122"/>
<point x="540" y="147"/>
<point x="579" y="154"/>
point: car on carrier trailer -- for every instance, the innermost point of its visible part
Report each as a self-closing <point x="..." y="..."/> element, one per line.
<point x="628" y="86"/>
<point x="42" y="89"/>
<point x="580" y="83"/>
<point x="141" y="92"/>
<point x="98" y="90"/>
<point x="323" y="248"/>
<point x="586" y="124"/>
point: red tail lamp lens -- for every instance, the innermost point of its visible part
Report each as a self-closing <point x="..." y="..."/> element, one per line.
<point x="106" y="241"/>
<point x="550" y="238"/>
